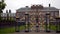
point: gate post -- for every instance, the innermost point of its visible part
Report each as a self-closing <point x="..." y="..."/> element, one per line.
<point x="57" y="24"/>
<point x="27" y="23"/>
<point x="16" y="25"/>
<point x="47" y="22"/>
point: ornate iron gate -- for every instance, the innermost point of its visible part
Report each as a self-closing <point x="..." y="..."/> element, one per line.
<point x="35" y="25"/>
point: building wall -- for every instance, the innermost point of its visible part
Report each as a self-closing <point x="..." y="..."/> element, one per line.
<point x="10" y="15"/>
<point x="41" y="15"/>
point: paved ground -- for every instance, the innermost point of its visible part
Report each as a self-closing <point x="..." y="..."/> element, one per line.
<point x="34" y="33"/>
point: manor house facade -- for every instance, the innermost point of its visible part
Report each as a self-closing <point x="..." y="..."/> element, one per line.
<point x="39" y="10"/>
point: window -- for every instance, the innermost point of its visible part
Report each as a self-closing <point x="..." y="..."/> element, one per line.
<point x="34" y="13"/>
<point x="56" y="14"/>
<point x="9" y="14"/>
<point x="52" y="14"/>
<point x="40" y="13"/>
<point x="51" y="17"/>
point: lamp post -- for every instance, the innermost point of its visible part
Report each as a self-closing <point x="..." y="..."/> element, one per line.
<point x="47" y="22"/>
<point x="26" y="22"/>
<point x="57" y="24"/>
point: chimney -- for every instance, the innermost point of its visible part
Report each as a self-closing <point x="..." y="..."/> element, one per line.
<point x="33" y="7"/>
<point x="6" y="11"/>
<point x="9" y="11"/>
<point x="49" y="5"/>
<point x="26" y="6"/>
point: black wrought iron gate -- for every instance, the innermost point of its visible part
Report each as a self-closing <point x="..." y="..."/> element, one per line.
<point x="38" y="27"/>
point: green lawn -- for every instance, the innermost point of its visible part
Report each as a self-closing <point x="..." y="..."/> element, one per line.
<point x="10" y="30"/>
<point x="53" y="27"/>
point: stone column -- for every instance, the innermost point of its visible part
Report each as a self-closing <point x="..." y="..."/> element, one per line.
<point x="57" y="24"/>
<point x="47" y="22"/>
<point x="27" y="23"/>
<point x="17" y="25"/>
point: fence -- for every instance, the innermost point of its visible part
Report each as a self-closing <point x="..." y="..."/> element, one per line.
<point x="5" y="23"/>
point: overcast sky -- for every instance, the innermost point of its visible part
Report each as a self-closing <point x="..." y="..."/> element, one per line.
<point x="16" y="4"/>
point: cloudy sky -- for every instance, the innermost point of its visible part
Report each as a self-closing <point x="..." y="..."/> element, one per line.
<point x="16" y="4"/>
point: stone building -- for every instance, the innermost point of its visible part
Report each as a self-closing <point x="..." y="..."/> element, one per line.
<point x="8" y="15"/>
<point x="37" y="10"/>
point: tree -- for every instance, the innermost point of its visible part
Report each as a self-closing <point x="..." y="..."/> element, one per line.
<point x="2" y="6"/>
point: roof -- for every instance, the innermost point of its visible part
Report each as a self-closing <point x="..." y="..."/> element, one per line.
<point x="44" y="9"/>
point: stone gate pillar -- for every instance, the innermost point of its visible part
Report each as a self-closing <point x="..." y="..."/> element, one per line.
<point x="57" y="24"/>
<point x="27" y="23"/>
<point x="17" y="25"/>
<point x="47" y="24"/>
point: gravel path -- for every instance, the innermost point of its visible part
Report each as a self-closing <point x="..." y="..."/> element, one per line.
<point x="34" y="33"/>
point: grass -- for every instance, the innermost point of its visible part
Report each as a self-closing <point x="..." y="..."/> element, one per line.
<point x="7" y="30"/>
<point x="53" y="27"/>
<point x="10" y="30"/>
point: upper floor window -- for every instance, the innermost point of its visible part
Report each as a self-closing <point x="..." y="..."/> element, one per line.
<point x="56" y="14"/>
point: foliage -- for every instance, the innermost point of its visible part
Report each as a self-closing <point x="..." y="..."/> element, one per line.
<point x="2" y="6"/>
